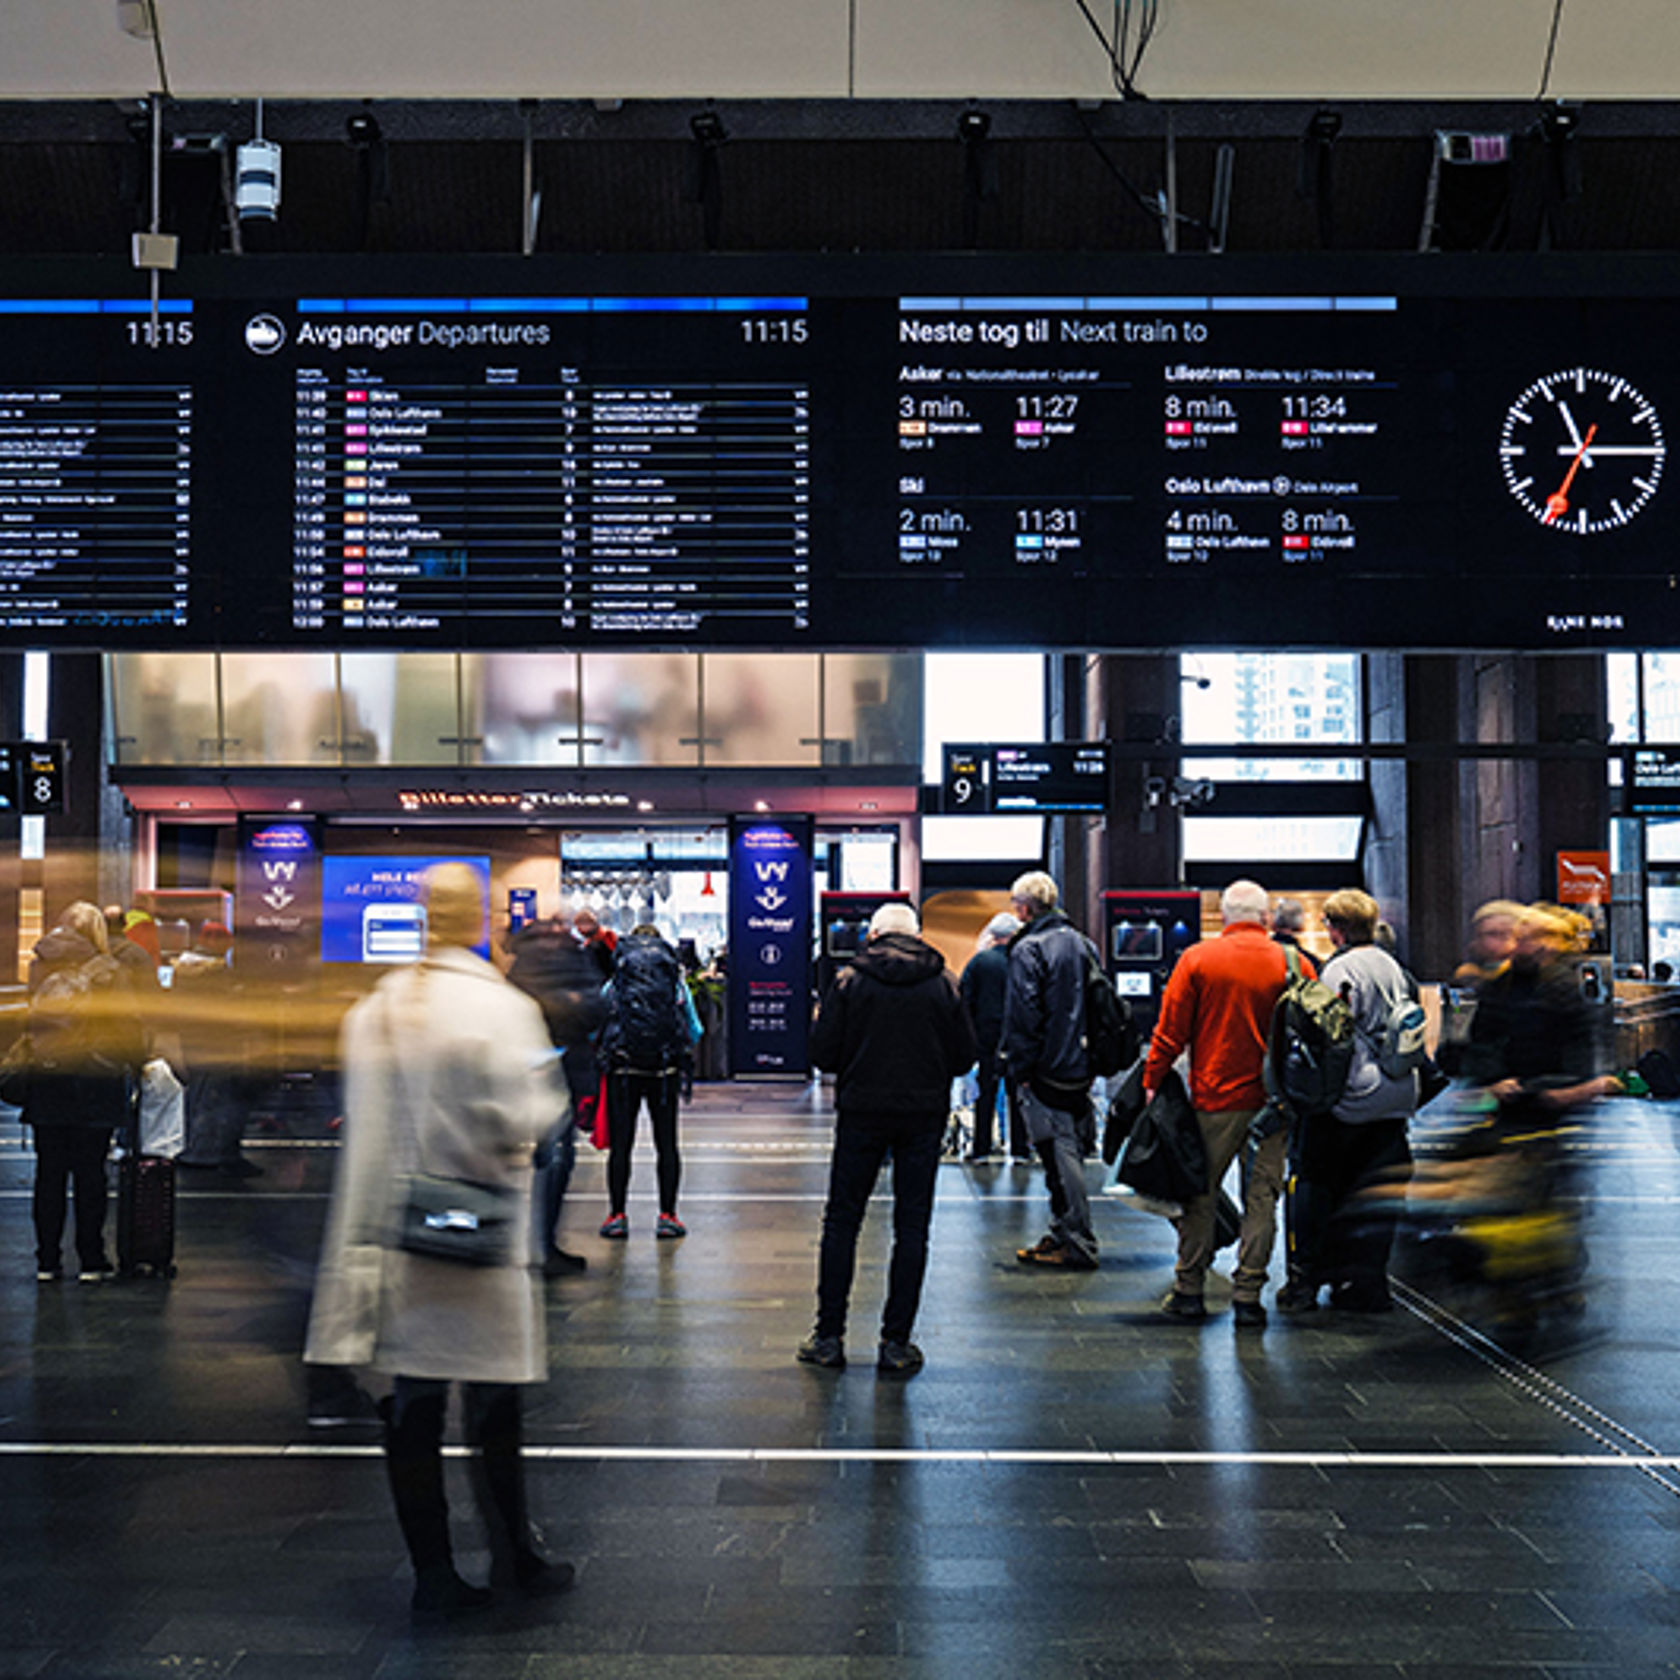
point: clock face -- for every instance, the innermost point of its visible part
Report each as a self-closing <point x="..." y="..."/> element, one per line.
<point x="1582" y="451"/>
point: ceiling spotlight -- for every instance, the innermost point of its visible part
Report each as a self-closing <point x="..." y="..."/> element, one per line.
<point x="136" y="18"/>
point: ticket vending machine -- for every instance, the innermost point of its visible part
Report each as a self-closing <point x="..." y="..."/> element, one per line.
<point x="843" y="926"/>
<point x="1144" y="935"/>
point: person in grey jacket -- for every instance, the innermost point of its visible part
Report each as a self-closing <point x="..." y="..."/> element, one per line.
<point x="1338" y="1239"/>
<point x="448" y="1071"/>
<point x="1044" y="1051"/>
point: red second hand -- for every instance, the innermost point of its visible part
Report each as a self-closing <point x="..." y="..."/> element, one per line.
<point x="1557" y="504"/>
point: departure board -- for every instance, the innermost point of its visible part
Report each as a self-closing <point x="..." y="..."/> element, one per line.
<point x="842" y="452"/>
<point x="97" y="445"/>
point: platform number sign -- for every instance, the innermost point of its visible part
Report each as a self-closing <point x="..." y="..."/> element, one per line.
<point x="40" y="767"/>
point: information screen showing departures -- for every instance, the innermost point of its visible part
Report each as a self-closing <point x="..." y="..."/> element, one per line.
<point x="843" y="453"/>
<point x="98" y="472"/>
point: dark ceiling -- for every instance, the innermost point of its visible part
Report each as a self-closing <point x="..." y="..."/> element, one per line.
<point x="817" y="175"/>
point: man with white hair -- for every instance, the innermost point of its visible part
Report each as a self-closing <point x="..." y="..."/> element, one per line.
<point x="1218" y="1005"/>
<point x="894" y="1033"/>
<point x="1044" y="1047"/>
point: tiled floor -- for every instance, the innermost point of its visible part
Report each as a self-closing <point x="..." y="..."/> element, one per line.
<point x="1069" y="1489"/>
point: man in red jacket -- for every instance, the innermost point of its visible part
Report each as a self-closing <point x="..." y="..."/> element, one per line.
<point x="1218" y="1006"/>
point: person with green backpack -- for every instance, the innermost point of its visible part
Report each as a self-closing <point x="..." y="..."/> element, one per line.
<point x="1360" y="1139"/>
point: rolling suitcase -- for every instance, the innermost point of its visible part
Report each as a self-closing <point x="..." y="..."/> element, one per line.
<point x="146" y="1216"/>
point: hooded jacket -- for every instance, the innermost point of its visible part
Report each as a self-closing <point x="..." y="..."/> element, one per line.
<point x="893" y="1031"/>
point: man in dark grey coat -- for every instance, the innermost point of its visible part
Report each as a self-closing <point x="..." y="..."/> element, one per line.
<point x="894" y="1033"/>
<point x="1044" y="1048"/>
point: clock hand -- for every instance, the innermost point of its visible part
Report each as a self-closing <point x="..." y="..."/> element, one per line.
<point x="1557" y="504"/>
<point x="1599" y="449"/>
<point x="1573" y="429"/>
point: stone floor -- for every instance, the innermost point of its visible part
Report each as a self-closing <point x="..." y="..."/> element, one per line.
<point x="1070" y="1488"/>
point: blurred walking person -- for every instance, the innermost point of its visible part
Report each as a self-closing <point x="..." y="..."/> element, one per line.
<point x="449" y="1080"/>
<point x="85" y="1047"/>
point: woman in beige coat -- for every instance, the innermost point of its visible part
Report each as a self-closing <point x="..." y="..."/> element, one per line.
<point x="448" y="1071"/>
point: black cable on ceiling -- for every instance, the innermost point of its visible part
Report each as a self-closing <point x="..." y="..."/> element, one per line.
<point x="1551" y="49"/>
<point x="1134" y="24"/>
<point x="157" y="48"/>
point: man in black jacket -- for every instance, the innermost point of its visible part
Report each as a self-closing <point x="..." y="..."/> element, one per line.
<point x="1044" y="1049"/>
<point x="984" y="983"/>
<point x="894" y="1033"/>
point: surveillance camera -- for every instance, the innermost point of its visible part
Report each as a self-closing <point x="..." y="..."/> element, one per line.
<point x="256" y="191"/>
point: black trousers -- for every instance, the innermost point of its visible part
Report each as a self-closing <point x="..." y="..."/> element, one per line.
<point x="414" y="1419"/>
<point x="990" y="1076"/>
<point x="66" y="1156"/>
<point x="626" y="1092"/>
<point x="862" y="1143"/>
<point x="1334" y="1237"/>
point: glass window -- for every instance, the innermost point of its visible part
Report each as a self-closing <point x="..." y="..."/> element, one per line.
<point x="982" y="839"/>
<point x="1621" y="681"/>
<point x="1662" y="696"/>
<point x="1272" y="697"/>
<point x="280" y="708"/>
<point x="163" y="708"/>
<point x="400" y="708"/>
<point x="872" y="708"/>
<point x="760" y="708"/>
<point x="1282" y="839"/>
<point x="980" y="697"/>
<point x="641" y="708"/>
<point x="522" y="707"/>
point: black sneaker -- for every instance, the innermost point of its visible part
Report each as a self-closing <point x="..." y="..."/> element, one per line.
<point x="441" y="1594"/>
<point x="351" y="1407"/>
<point x="1296" y="1298"/>
<point x="1248" y="1315"/>
<point x="558" y="1263"/>
<point x="827" y="1351"/>
<point x="533" y="1576"/>
<point x="1187" y="1309"/>
<point x="899" y="1359"/>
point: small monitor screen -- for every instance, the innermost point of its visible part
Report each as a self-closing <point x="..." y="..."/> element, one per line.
<point x="846" y="935"/>
<point x="1137" y="942"/>
<point x="1133" y="985"/>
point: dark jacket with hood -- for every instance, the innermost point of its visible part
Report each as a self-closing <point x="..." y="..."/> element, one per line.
<point x="1044" y="1008"/>
<point x="87" y="1044"/>
<point x="553" y="966"/>
<point x="894" y="1032"/>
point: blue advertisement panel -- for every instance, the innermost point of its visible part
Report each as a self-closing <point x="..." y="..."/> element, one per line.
<point x="770" y="868"/>
<point x="277" y="901"/>
<point x="373" y="910"/>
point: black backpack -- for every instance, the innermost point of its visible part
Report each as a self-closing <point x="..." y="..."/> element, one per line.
<point x="1309" y="1048"/>
<point x="646" y="1031"/>
<point x="1111" y="1036"/>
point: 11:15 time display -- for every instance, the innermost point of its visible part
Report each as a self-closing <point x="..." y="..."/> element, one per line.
<point x="775" y="329"/>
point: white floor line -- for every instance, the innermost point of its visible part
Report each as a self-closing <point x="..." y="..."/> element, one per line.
<point x="1024" y="1458"/>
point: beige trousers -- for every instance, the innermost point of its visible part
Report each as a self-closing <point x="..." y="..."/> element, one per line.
<point x="1224" y="1135"/>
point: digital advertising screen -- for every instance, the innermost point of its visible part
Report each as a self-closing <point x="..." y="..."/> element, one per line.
<point x="373" y="908"/>
<point x="986" y="451"/>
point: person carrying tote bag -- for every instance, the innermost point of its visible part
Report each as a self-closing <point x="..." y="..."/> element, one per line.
<point x="450" y="1080"/>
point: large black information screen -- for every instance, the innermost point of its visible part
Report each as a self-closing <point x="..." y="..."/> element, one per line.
<point x="842" y="452"/>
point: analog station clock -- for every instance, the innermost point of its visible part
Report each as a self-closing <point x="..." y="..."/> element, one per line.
<point x="1582" y="451"/>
